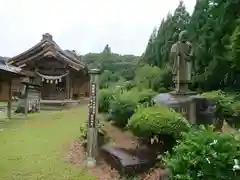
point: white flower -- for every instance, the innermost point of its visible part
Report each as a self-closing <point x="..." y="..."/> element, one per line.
<point x="214" y="142"/>
<point x="208" y="161"/>
<point x="236" y="165"/>
<point x="154" y="139"/>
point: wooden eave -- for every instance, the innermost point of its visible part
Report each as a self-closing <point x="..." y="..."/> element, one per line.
<point x="43" y="49"/>
<point x="8" y="73"/>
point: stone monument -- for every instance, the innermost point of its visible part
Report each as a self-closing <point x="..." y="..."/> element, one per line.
<point x="181" y="55"/>
<point x="195" y="108"/>
<point x="181" y="98"/>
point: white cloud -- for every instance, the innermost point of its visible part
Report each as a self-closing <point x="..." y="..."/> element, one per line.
<point x="84" y="25"/>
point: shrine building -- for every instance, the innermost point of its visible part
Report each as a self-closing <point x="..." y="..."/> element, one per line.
<point x="62" y="75"/>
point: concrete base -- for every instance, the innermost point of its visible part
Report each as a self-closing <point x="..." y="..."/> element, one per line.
<point x="91" y="162"/>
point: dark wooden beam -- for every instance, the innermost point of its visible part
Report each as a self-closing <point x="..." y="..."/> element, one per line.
<point x="26" y="101"/>
<point x="70" y="62"/>
<point x="67" y="86"/>
<point x="9" y="109"/>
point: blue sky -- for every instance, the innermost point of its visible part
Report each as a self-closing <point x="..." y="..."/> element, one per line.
<point x="82" y="25"/>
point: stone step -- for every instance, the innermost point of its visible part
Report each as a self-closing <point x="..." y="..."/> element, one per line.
<point x="126" y="162"/>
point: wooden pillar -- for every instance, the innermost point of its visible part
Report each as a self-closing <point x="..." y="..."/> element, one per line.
<point x="9" y="109"/>
<point x="39" y="101"/>
<point x="26" y="101"/>
<point x="71" y="89"/>
<point x="67" y="86"/>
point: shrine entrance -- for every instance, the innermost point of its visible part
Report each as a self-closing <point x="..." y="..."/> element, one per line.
<point x="54" y="87"/>
<point x="54" y="91"/>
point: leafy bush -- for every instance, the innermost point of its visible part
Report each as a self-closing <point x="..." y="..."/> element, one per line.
<point x="152" y="77"/>
<point x="146" y="96"/>
<point x="122" y="108"/>
<point x="105" y="97"/>
<point x="124" y="104"/>
<point x="140" y="95"/>
<point x="228" y="106"/>
<point x="204" y="154"/>
<point x="106" y="78"/>
<point x="129" y="85"/>
<point x="234" y="121"/>
<point x="224" y="103"/>
<point x="155" y="120"/>
<point x="162" y="90"/>
<point x="83" y="133"/>
<point x="84" y="130"/>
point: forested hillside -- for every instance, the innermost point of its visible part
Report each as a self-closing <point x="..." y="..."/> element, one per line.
<point x="120" y="65"/>
<point x="115" y="68"/>
<point x="214" y="31"/>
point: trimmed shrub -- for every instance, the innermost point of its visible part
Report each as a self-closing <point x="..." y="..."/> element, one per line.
<point x="158" y="121"/>
<point x="124" y="104"/>
<point x="122" y="108"/>
<point x="204" y="154"/>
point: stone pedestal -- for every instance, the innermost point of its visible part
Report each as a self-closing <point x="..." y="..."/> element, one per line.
<point x="187" y="104"/>
<point x="182" y="102"/>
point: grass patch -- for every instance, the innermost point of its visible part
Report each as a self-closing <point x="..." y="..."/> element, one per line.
<point x="35" y="148"/>
<point x="3" y="103"/>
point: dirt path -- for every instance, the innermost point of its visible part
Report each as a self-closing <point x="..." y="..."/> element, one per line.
<point x="119" y="137"/>
<point x="103" y="171"/>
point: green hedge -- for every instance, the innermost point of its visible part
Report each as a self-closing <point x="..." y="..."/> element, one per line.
<point x="204" y="154"/>
<point x="121" y="109"/>
<point x="124" y="104"/>
<point x="156" y="120"/>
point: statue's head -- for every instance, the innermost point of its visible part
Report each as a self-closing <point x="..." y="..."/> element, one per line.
<point x="183" y="36"/>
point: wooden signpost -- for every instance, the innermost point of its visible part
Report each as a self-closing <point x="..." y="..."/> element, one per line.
<point x="92" y="142"/>
<point x="92" y="106"/>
